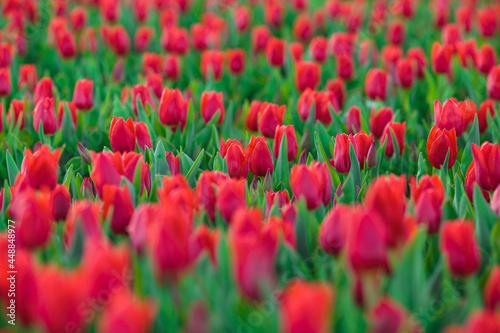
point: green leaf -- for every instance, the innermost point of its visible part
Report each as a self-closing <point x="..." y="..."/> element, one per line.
<point x="282" y="168"/>
<point x="473" y="139"/>
<point x="191" y="175"/>
<point x="67" y="176"/>
<point x="354" y="171"/>
<point x="348" y="190"/>
<point x="323" y="158"/>
<point x="12" y="169"/>
<point x="485" y="219"/>
<point x="161" y="165"/>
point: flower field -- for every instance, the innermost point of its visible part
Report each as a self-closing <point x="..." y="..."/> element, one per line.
<point x="249" y="166"/>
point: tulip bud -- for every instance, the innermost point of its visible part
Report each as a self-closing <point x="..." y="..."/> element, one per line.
<point x="318" y="49"/>
<point x="296" y="50"/>
<point x="236" y="61"/>
<point x="353" y="120"/>
<point x="84" y="153"/>
<point x="405" y="73"/>
<point x="142" y="38"/>
<point x="493" y="83"/>
<point x="271" y="116"/>
<point x="252" y="122"/>
<point x="66" y="44"/>
<point x="83" y="95"/>
<point x="61" y="112"/>
<point x="362" y="144"/>
<point x="27" y="77"/>
<point x="45" y="114"/>
<point x="439" y="143"/>
<point x="118" y="40"/>
<point x="379" y="119"/>
<point x="231" y="195"/>
<point x="172" y="67"/>
<point x="275" y="52"/>
<point x="5" y="82"/>
<point x="341" y="158"/>
<point x="376" y="84"/>
<point x="313" y="183"/>
<point x="206" y="189"/>
<point x="307" y="75"/>
<point x="487" y="22"/>
<point x="173" y="163"/>
<point x="87" y="188"/>
<point x="122" y="134"/>
<point x="302" y="28"/>
<point x="241" y="18"/>
<point x="211" y="102"/>
<point x="78" y="18"/>
<point x="345" y="66"/>
<point x="399" y="131"/>
<point x="172" y="110"/>
<point x="142" y="135"/>
<point x="486" y="58"/>
<point x="459" y="248"/>
<point x="396" y="33"/>
<point x="260" y="38"/>
<point x="259" y="156"/>
<point x="274" y="13"/>
<point x="306" y="307"/>
<point x="141" y="91"/>
<point x="291" y="141"/>
<point x="121" y="203"/>
<point x="334" y="229"/>
<point x="15" y="115"/>
<point x="212" y="62"/>
<point x="118" y="72"/>
<point x="236" y="158"/>
<point x="487" y="165"/>
<point x="441" y="58"/>
<point x="419" y="60"/>
<point x="61" y="202"/>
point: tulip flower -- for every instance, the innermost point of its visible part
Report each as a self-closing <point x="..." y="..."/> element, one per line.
<point x="154" y="82"/>
<point x="486" y="58"/>
<point x="386" y="196"/>
<point x="175" y="39"/>
<point x="5" y="82"/>
<point x="61" y="113"/>
<point x="450" y="116"/>
<point x="211" y="103"/>
<point x="242" y="18"/>
<point x="405" y="73"/>
<point x="212" y="62"/>
<point x="45" y="114"/>
<point x="296" y="51"/>
<point x="426" y="183"/>
<point x="463" y="15"/>
<point x="322" y="101"/>
<point x="487" y="22"/>
<point x="367" y="242"/>
<point x="353" y="120"/>
<point x="259" y="156"/>
<point x="236" y="61"/>
<point x="142" y="135"/>
<point x="275" y="52"/>
<point x="487" y="106"/>
<point x="318" y="49"/>
<point x="341" y="158"/>
<point x="439" y="143"/>
<point x="334" y="228"/>
<point x="121" y="203"/>
<point x="307" y="75"/>
<point x="253" y="116"/>
<point x="396" y="33"/>
<point x="281" y="198"/>
<point x="345" y="66"/>
<point x="491" y="291"/>
<point x="493" y="83"/>
<point x="206" y="192"/>
<point x="342" y="43"/>
<point x="172" y="67"/>
<point x="387" y="314"/>
<point x="61" y="202"/>
<point x="236" y="158"/>
<point x="142" y="38"/>
<point x="291" y="141"/>
<point x="419" y="60"/>
<point x="362" y="144"/>
<point x="151" y="63"/>
<point x="428" y="210"/>
<point x="302" y="28"/>
<point x="274" y="14"/>
<point x="231" y="195"/>
<point x="122" y="134"/>
<point x="271" y="116"/>
<point x="6" y="52"/>
<point x="43" y="89"/>
<point x="118" y="40"/>
<point x="376" y="84"/>
<point x="441" y="58"/>
<point x="313" y="183"/>
<point x="66" y="44"/>
<point x="141" y="92"/>
<point x="260" y="37"/>
<point x="391" y="54"/>
<point x="28" y="77"/>
<point x="172" y="109"/>
<point x="337" y="88"/>
<point x="306" y="307"/>
<point x="399" y="131"/>
<point x="15" y="114"/>
<point x="41" y="167"/>
<point x="471" y="181"/>
<point x="487" y="165"/>
<point x="459" y="247"/>
<point x="83" y="95"/>
<point x="78" y="18"/>
<point x="451" y="34"/>
<point x="483" y="321"/>
<point x="175" y="190"/>
<point x="173" y="163"/>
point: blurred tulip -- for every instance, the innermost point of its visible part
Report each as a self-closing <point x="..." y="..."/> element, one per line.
<point x="212" y="63"/>
<point x="439" y="143"/>
<point x="379" y="119"/>
<point x="61" y="113"/>
<point x="251" y="122"/>
<point x="78" y="18"/>
<point x="173" y="67"/>
<point x="353" y="120"/>
<point x="441" y="58"/>
<point x="450" y="116"/>
<point x="61" y="202"/>
<point x="45" y="114"/>
<point x="396" y="33"/>
<point x="486" y="107"/>
<point x="120" y="201"/>
<point x="16" y="115"/>
<point x="451" y="35"/>
<point x="275" y="52"/>
<point x="231" y="195"/>
<point x="399" y="131"/>
<point x="6" y="53"/>
<point x="280" y="198"/>
<point x="41" y="167"/>
<point x="291" y="141"/>
<point x="318" y="49"/>
<point x="296" y="51"/>
<point x="362" y="143"/>
<point x="376" y="84"/>
<point x="307" y="75"/>
<point x="487" y="22"/>
<point x="270" y="116"/>
<point x="405" y="73"/>
<point x="389" y="316"/>
<point x="302" y="28"/>
<point x="260" y="38"/>
<point x="242" y="18"/>
<point x="487" y="165"/>
<point x="66" y="44"/>
<point x="211" y="103"/>
<point x="83" y="96"/>
<point x="236" y="61"/>
<point x="491" y="291"/>
<point x="259" y="156"/>
<point x="173" y="163"/>
<point x="152" y="63"/>
<point x="28" y="77"/>
<point x="154" y="82"/>
<point x="5" y="82"/>
<point x="334" y="228"/>
<point x="142" y="135"/>
<point x="206" y="191"/>
<point x="43" y="89"/>
<point x="483" y="321"/>
<point x="172" y="109"/>
<point x="140" y="93"/>
<point x="493" y="83"/>
<point x="486" y="58"/>
<point x="142" y="38"/>
<point x="419" y="60"/>
<point x="341" y="158"/>
<point x="322" y="101"/>
<point x="118" y="40"/>
<point x="313" y="183"/>
<point x="274" y="13"/>
<point x="337" y="88"/>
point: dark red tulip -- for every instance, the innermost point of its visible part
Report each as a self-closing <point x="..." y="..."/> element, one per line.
<point x="83" y="95"/>
<point x="399" y="131"/>
<point x="345" y="66"/>
<point x="487" y="21"/>
<point x="439" y="143"/>
<point x="275" y="52"/>
<point x="470" y="183"/>
<point x="231" y="195"/>
<point x="389" y="316"/>
<point x="487" y="165"/>
<point x="313" y="183"/>
<point x="459" y="246"/>
<point x="341" y="157"/>
<point x="173" y="163"/>
<point x="307" y="75"/>
<point x="5" y="82"/>
<point x="450" y="116"/>
<point x="252" y="122"/>
<point x="426" y="183"/>
<point x="493" y="83"/>
<point x="486" y="58"/>
<point x="6" y="53"/>
<point x="353" y="120"/>
<point x="376" y="84"/>
<point x="212" y="62"/>
<point x="296" y="50"/>
<point x="211" y="103"/>
<point x="405" y="73"/>
<point x="487" y="106"/>
<point x="27" y="77"/>
<point x="41" y="167"/>
<point x="122" y="134"/>
<point x="419" y="60"/>
<point x="172" y="109"/>
<point x="206" y="191"/>
<point x="236" y="158"/>
<point x="334" y="229"/>
<point x="259" y="156"/>
<point x="302" y="28"/>
<point x="45" y="114"/>
<point x="291" y="141"/>
<point x="428" y="210"/>
<point x="66" y="44"/>
<point x="306" y="307"/>
<point x="271" y="116"/>
<point x="119" y="200"/>
<point x="396" y="33"/>
<point x="141" y="92"/>
<point x="61" y="202"/>
<point x="318" y="49"/>
<point x="142" y="38"/>
<point x="236" y="61"/>
<point x="441" y="58"/>
<point x="260" y="38"/>
<point x="379" y="119"/>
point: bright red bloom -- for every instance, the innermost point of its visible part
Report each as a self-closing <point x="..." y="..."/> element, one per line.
<point x="121" y="203"/>
<point x="173" y="163"/>
<point x="280" y="198"/>
<point x="342" y="43"/>
<point x="5" y="82"/>
<point x="486" y="58"/>
<point x="459" y="247"/>
<point x="302" y="28"/>
<point x="236" y="158"/>
<point x="399" y="131"/>
<point x="270" y="116"/>
<point x="118" y="40"/>
<point x="87" y="216"/>
<point x="83" y="96"/>
<point x="337" y="88"/>
<point x="487" y="21"/>
<point x="45" y="114"/>
<point x="275" y="52"/>
<point x="341" y="157"/>
<point x="172" y="110"/>
<point x="212" y="62"/>
<point x="450" y="116"/>
<point x="141" y="92"/>
<point x="296" y="51"/>
<point x="419" y="60"/>
<point x="405" y="73"/>
<point x="463" y="15"/>
<point x="483" y="321"/>
<point x="78" y="18"/>
<point x="206" y="189"/>
<point x="122" y="134"/>
<point x="379" y="119"/>
<point x="313" y="183"/>
<point x="353" y="120"/>
<point x="470" y="181"/>
<point x="110" y="10"/>
<point x="396" y="33"/>
<point x="27" y="77"/>
<point x="61" y="113"/>
<point x="493" y="83"/>
<point x="126" y="313"/>
<point x="291" y="141"/>
<point x="390" y="55"/>
<point x="253" y="116"/>
<point x="211" y="103"/>
<point x="142" y="135"/>
<point x="387" y="197"/>
<point x="231" y="195"/>
<point x="334" y="229"/>
<point x="66" y="44"/>
<point x="274" y="14"/>
<point x="376" y="84"/>
<point x="259" y="156"/>
<point x="345" y="66"/>
<point x="439" y="143"/>
<point x="322" y="100"/>
<point x="491" y="291"/>
<point x="367" y="242"/>
<point x="260" y="38"/>
<point x="61" y="202"/>
<point x="451" y="35"/>
<point x="441" y="58"/>
<point x="151" y="63"/>
<point x="428" y="210"/>
<point x="6" y="52"/>
<point x="241" y="18"/>
<point x="487" y="106"/>
<point x="175" y="39"/>
<point x="16" y="113"/>
<point x="236" y="61"/>
<point x="142" y="38"/>
<point x="41" y="167"/>
<point x="487" y="165"/>
<point x="362" y="144"/>
<point x="172" y="68"/>
<point x="43" y="89"/>
<point x="154" y="82"/>
<point x="307" y="75"/>
<point x="426" y="183"/>
<point x="318" y="49"/>
<point x="466" y="52"/>
<point x="306" y="307"/>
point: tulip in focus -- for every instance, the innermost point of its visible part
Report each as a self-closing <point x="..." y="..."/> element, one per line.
<point x="122" y="135"/>
<point x="487" y="165"/>
<point x="259" y="156"/>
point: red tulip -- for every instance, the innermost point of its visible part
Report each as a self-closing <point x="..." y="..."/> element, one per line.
<point x="142" y="92"/>
<point x="491" y="291"/>
<point x="16" y="112"/>
<point x="274" y="14"/>
<point x="318" y="49"/>
<point x="260" y="38"/>
<point x="470" y="181"/>
<point x="231" y="195"/>
<point x="175" y="39"/>
<point x="142" y="38"/>
<point x="259" y="156"/>
<point x="396" y="33"/>
<point x="341" y="158"/>
<point x="121" y="203"/>
<point x="337" y="88"/>
<point x="487" y="165"/>
<point x="142" y="135"/>
<point x="275" y="52"/>
<point x="110" y="10"/>
<point x="172" y="110"/>
<point x="379" y="119"/>
<point x="61" y="202"/>
<point x="45" y="114"/>
<point x="211" y="103"/>
<point x="345" y="66"/>
<point x="451" y="35"/>
<point x="387" y="197"/>
<point x="78" y="18"/>
<point x="367" y="242"/>
<point x="334" y="229"/>
<point x="5" y="82"/>
<point x="419" y="60"/>
<point x="271" y="116"/>
<point x="389" y="316"/>
<point x="173" y="163"/>
<point x="175" y="190"/>
<point x="253" y="116"/>
<point x="353" y="120"/>
<point x="212" y="62"/>
<point x="6" y="52"/>
<point x="27" y="77"/>
<point x="88" y="216"/>
<point x="296" y="51"/>
<point x="306" y="307"/>
<point x="118" y="40"/>
<point x="126" y="313"/>
<point x="151" y="63"/>
<point x="342" y="43"/>
<point x="83" y="95"/>
<point x="463" y="15"/>
<point x="460" y="250"/>
<point x="399" y="131"/>
<point x="236" y="61"/>
<point x="206" y="189"/>
<point x="450" y="116"/>
<point x="307" y="75"/>
<point x="493" y="83"/>
<point x="487" y="106"/>
<point x="428" y="210"/>
<point x="66" y="44"/>
<point x="291" y="141"/>
<point x="376" y="84"/>
<point x="390" y="56"/>
<point x="236" y="158"/>
<point x="405" y="73"/>
<point x="172" y="69"/>
<point x="441" y="58"/>
<point x="467" y="52"/>
<point x="122" y="134"/>
<point x="43" y="89"/>
<point x="486" y="58"/>
<point x="61" y="112"/>
<point x="302" y="28"/>
<point x="154" y="82"/>
<point x="32" y="212"/>
<point x="241" y="18"/>
<point x="362" y="144"/>
<point x="88" y="41"/>
<point x="41" y="168"/>
<point x="439" y="143"/>
<point x="280" y="198"/>
<point x="313" y="183"/>
<point x="483" y="321"/>
<point x="321" y="100"/>
<point x="487" y="22"/>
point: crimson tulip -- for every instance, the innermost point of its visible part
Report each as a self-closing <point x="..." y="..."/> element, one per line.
<point x="313" y="183"/>
<point x="122" y="134"/>
<point x="318" y="49"/>
<point x="231" y="195"/>
<point x="379" y="120"/>
<point x="334" y="229"/>
<point x="83" y="95"/>
<point x="493" y="83"/>
<point x="236" y="158"/>
<point x="441" y="58"/>
<point x="206" y="191"/>
<point x="291" y="141"/>
<point x="28" y="77"/>
<point x="270" y="117"/>
<point x="275" y="52"/>
<point x="251" y="121"/>
<point x="439" y="143"/>
<point x="211" y="102"/>
<point x="487" y="165"/>
<point x="307" y="75"/>
<point x="41" y="167"/>
<point x="5" y="82"/>
<point x="172" y="109"/>
<point x="353" y="120"/>
<point x="212" y="62"/>
<point x="376" y="84"/>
